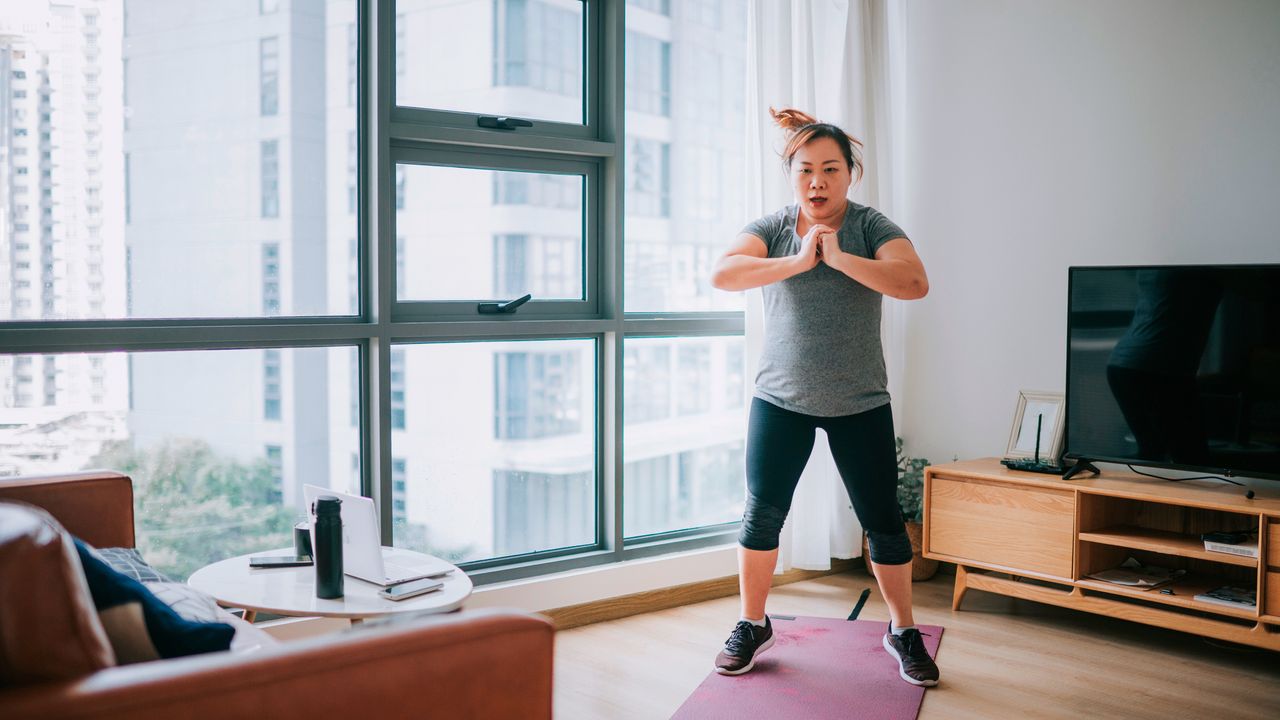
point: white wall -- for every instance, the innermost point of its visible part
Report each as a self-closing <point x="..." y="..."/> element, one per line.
<point x="1042" y="135"/>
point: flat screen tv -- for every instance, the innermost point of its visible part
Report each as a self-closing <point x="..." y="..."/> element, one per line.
<point x="1175" y="367"/>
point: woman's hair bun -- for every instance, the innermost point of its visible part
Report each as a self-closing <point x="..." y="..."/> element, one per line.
<point x="790" y="119"/>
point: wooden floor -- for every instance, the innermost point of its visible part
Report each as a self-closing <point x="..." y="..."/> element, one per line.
<point x="1000" y="658"/>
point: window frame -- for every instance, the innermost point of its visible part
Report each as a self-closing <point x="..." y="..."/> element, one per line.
<point x="446" y="156"/>
<point x="426" y="123"/>
<point x="386" y="135"/>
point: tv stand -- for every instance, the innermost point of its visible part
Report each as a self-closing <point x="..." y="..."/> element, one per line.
<point x="1038" y="537"/>
<point x="1080" y="466"/>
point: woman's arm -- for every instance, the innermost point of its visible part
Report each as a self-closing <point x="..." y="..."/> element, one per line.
<point x="896" y="271"/>
<point x="747" y="264"/>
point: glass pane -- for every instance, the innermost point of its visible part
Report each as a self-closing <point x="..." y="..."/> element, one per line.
<point x="135" y="197"/>
<point x="662" y="7"/>
<point x="487" y="234"/>
<point x="218" y="443"/>
<point x="685" y="197"/>
<point x="683" y="407"/>
<point x="521" y="58"/>
<point x="498" y="448"/>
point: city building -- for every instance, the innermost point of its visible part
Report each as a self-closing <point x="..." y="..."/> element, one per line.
<point x="237" y="195"/>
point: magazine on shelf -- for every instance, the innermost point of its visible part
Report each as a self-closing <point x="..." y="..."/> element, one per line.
<point x="1247" y="548"/>
<point x="1236" y="597"/>
<point x="1134" y="574"/>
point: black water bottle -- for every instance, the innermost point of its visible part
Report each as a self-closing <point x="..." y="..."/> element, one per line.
<point x="328" y="546"/>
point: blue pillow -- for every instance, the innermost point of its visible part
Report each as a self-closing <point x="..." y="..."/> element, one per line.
<point x="140" y="626"/>
<point x="130" y="562"/>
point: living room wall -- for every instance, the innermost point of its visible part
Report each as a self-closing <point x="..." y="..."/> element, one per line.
<point x="1049" y="134"/>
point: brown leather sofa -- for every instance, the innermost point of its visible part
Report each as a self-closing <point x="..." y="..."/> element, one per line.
<point x="471" y="664"/>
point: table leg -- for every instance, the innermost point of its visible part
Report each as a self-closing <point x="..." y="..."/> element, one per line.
<point x="249" y="615"/>
<point x="960" y="588"/>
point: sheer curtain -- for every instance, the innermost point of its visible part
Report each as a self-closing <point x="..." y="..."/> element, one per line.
<point x="842" y="62"/>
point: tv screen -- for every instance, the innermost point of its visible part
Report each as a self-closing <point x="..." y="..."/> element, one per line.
<point x="1175" y="366"/>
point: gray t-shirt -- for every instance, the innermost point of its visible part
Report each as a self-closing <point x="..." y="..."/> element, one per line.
<point x="822" y="354"/>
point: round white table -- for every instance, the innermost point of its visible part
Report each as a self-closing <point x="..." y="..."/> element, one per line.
<point x="291" y="591"/>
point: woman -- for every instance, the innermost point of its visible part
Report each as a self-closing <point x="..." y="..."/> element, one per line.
<point x="823" y="263"/>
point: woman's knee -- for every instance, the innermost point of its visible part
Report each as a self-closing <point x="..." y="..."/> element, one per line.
<point x="889" y="548"/>
<point x="761" y="524"/>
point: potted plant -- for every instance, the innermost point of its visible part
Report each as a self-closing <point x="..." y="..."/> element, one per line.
<point x="911" y="500"/>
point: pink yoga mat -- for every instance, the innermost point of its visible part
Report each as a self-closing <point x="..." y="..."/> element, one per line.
<point x="817" y="668"/>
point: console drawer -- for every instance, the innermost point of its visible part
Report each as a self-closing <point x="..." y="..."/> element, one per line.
<point x="1029" y="529"/>
<point x="1272" y="606"/>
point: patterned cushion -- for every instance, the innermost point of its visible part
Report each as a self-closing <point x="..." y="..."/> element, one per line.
<point x="139" y="625"/>
<point x="187" y="601"/>
<point x="128" y="561"/>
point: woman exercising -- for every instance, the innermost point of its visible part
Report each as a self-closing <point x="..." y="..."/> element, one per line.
<point x="823" y="265"/>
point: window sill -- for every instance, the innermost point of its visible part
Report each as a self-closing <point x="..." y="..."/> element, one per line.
<point x="574" y="587"/>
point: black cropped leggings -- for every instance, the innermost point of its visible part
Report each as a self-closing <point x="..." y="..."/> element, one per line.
<point x="779" y="443"/>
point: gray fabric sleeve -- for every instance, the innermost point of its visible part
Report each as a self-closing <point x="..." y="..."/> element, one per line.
<point x="879" y="230"/>
<point x="766" y="228"/>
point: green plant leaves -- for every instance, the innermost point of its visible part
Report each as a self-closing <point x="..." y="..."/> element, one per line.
<point x="910" y="484"/>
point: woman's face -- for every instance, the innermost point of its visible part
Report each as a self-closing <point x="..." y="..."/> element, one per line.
<point x="820" y="178"/>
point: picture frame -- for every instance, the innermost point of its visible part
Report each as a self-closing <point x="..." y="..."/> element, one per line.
<point x="1022" y="436"/>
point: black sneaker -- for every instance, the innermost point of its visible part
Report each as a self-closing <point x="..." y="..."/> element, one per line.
<point x="914" y="664"/>
<point x="744" y="645"/>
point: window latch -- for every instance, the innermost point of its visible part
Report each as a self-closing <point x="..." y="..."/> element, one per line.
<point x="510" y="306"/>
<point x="502" y="123"/>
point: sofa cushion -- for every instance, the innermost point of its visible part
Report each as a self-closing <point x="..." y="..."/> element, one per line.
<point x="48" y="627"/>
<point x="185" y="600"/>
<point x="141" y="627"/>
<point x="190" y="603"/>
<point x="128" y="561"/>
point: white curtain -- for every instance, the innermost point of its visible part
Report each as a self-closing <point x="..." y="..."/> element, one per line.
<point x="841" y="61"/>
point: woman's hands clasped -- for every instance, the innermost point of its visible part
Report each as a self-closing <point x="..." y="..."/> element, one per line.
<point x="829" y="248"/>
<point x="821" y="243"/>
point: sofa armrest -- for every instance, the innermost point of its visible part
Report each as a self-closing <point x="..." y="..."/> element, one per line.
<point x="96" y="505"/>
<point x="481" y="664"/>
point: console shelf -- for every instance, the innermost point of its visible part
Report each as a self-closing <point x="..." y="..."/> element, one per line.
<point x="1001" y="526"/>
<point x="1183" y="590"/>
<point x="1163" y="541"/>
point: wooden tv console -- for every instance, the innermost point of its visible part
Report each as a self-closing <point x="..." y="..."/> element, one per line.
<point x="1038" y="537"/>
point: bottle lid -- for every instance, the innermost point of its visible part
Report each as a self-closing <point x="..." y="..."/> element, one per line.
<point x="328" y="505"/>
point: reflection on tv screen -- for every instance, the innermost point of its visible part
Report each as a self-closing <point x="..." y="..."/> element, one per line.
<point x="1175" y="367"/>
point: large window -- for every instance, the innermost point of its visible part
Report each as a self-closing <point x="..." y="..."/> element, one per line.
<point x="535" y="511"/>
<point x="685" y="127"/>
<point x="397" y="389"/>
<point x="536" y="394"/>
<point x="269" y="75"/>
<point x="683" y="411"/>
<point x="649" y="182"/>
<point x="520" y="58"/>
<point x="230" y="292"/>
<point x="502" y="435"/>
<point x="539" y="47"/>
<point x="467" y="235"/>
<point x="164" y="152"/>
<point x="648" y="74"/>
<point x="271" y="279"/>
<point x="272" y="385"/>
<point x="215" y="471"/>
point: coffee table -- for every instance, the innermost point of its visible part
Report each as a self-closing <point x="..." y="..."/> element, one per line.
<point x="291" y="591"/>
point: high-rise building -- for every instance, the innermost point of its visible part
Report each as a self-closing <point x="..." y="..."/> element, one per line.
<point x="61" y="220"/>
<point x="233" y="139"/>
<point x="225" y="141"/>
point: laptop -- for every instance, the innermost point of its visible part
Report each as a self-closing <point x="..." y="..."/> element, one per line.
<point x="362" y="551"/>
